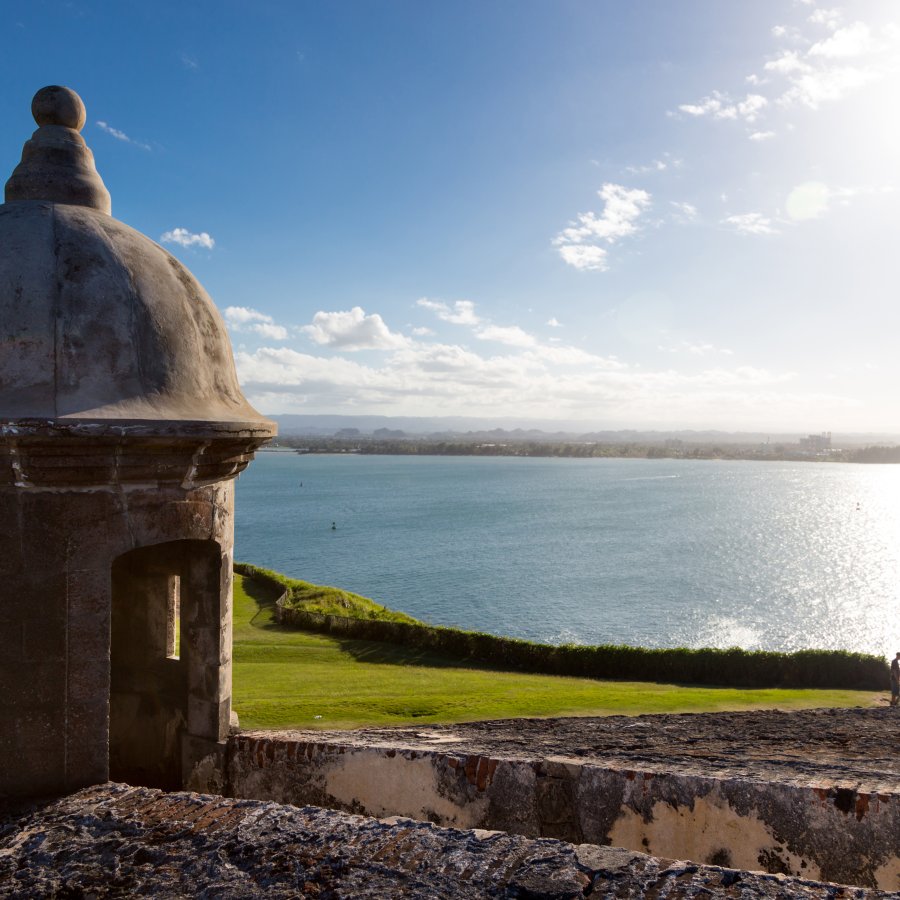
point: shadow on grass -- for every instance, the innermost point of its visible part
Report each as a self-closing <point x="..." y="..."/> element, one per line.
<point x="380" y="653"/>
<point x="264" y="597"/>
<point x="370" y="652"/>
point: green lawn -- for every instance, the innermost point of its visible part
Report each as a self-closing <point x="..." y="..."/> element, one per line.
<point x="293" y="679"/>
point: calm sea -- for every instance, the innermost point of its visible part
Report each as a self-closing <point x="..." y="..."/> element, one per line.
<point x="777" y="556"/>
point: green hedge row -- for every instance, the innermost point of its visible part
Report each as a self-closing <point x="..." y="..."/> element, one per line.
<point x="732" y="668"/>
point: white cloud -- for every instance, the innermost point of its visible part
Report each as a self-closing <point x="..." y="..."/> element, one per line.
<point x="854" y="40"/>
<point x="584" y="256"/>
<point x="187" y="238"/>
<point x="422" y="331"/>
<point x="543" y="381"/>
<point x="808" y="201"/>
<point x="353" y="330"/>
<point x="510" y="334"/>
<point x="813" y="88"/>
<point x="762" y="136"/>
<point x="245" y="319"/>
<point x="238" y="316"/>
<point x="830" y="69"/>
<point x="830" y="18"/>
<point x="697" y="349"/>
<point x="685" y="213"/>
<point x="553" y="322"/>
<point x="751" y="223"/>
<point x="121" y="136"/>
<point x="461" y="313"/>
<point x="720" y="106"/>
<point x="657" y="165"/>
<point x="813" y="199"/>
<point x="787" y="63"/>
<point x="270" y="330"/>
<point x="809" y="70"/>
<point x="621" y="210"/>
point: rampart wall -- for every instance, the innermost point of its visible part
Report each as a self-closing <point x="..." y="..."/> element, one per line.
<point x="670" y="786"/>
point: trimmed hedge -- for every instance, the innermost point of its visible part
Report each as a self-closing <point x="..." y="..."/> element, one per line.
<point x="315" y="598"/>
<point x="733" y="667"/>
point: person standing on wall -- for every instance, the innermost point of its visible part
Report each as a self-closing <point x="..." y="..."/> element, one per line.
<point x="895" y="680"/>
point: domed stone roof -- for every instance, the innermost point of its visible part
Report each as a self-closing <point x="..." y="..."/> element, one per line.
<point x="97" y="322"/>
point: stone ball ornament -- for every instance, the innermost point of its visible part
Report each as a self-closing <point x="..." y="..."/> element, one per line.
<point x="55" y="105"/>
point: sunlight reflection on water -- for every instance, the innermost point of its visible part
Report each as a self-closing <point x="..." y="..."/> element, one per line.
<point x="658" y="552"/>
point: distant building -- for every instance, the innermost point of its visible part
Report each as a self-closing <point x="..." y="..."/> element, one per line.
<point x="816" y="443"/>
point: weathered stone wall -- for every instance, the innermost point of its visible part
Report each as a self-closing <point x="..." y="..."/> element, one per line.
<point x="117" y="841"/>
<point x="811" y="825"/>
<point x="55" y="623"/>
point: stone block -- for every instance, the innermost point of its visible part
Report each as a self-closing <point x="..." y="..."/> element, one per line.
<point x="44" y="639"/>
<point x="204" y="644"/>
<point x="12" y="640"/>
<point x="41" y="727"/>
<point x="208" y="719"/>
<point x="88" y="591"/>
<point x="89" y="679"/>
<point x="35" y="771"/>
<point x="34" y="684"/>
<point x="87" y="741"/>
<point x="89" y="636"/>
<point x="210" y="682"/>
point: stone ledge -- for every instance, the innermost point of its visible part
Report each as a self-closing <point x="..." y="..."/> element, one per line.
<point x="806" y="794"/>
<point x="115" y="841"/>
<point x="853" y="748"/>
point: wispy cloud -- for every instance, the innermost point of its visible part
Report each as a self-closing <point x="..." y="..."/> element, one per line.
<point x="186" y="238"/>
<point x="663" y="164"/>
<point x="189" y="62"/>
<point x="751" y="223"/>
<point x="461" y="313"/>
<point x="553" y="322"/>
<point x="696" y="349"/>
<point x="509" y="334"/>
<point x="579" y="245"/>
<point x="813" y="199"/>
<point x="584" y="256"/>
<point x="542" y="381"/>
<point x="808" y="69"/>
<point x="353" y="330"/>
<point x="829" y="18"/>
<point x="121" y="136"/>
<point x="719" y="105"/>
<point x="684" y="213"/>
<point x="245" y="319"/>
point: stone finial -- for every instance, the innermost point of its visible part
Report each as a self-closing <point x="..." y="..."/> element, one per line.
<point x="54" y="105"/>
<point x="57" y="166"/>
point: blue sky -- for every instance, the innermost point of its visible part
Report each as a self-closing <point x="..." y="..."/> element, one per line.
<point x="646" y="214"/>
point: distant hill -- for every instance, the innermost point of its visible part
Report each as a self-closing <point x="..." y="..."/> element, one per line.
<point x="478" y="429"/>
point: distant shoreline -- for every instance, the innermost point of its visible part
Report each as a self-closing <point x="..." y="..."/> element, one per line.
<point x="365" y="446"/>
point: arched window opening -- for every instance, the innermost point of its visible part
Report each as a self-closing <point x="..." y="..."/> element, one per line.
<point x="169" y="669"/>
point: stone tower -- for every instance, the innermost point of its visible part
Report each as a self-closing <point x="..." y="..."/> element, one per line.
<point x="122" y="428"/>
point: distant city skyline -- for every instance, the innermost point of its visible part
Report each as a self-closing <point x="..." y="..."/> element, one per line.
<point x="645" y="215"/>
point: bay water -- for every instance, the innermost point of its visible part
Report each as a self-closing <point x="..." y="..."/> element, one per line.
<point x="660" y="553"/>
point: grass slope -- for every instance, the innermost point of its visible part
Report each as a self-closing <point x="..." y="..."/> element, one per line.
<point x="292" y="679"/>
<point x="318" y="598"/>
